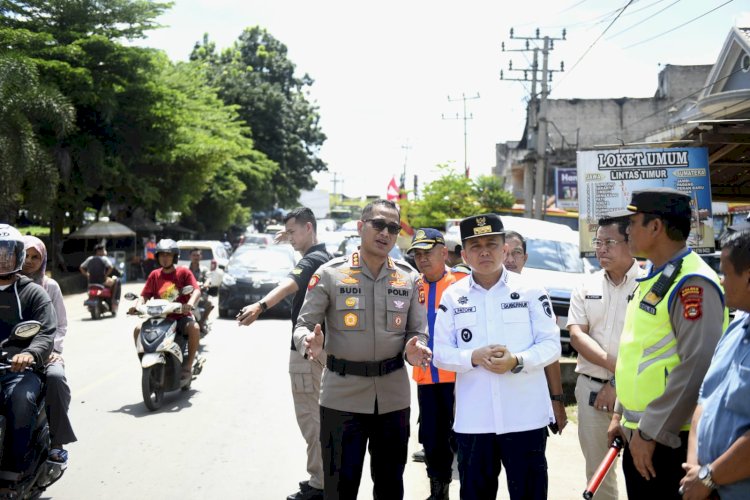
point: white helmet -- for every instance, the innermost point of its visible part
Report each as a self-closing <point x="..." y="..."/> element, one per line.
<point x="11" y="244"/>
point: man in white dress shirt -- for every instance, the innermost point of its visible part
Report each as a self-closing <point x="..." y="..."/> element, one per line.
<point x="497" y="332"/>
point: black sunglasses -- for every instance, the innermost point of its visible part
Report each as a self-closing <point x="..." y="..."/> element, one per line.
<point x="380" y="224"/>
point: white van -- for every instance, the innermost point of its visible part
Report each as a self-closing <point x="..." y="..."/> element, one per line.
<point x="554" y="261"/>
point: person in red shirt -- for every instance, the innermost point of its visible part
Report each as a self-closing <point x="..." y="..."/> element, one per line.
<point x="166" y="283"/>
<point x="434" y="386"/>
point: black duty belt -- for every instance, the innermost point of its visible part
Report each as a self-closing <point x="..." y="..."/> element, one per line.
<point x="364" y="368"/>
<point x="600" y="380"/>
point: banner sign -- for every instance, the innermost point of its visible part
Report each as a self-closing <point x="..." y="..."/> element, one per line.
<point x="566" y="188"/>
<point x="606" y="180"/>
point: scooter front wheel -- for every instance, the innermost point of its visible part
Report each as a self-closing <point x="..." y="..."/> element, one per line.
<point x="152" y="386"/>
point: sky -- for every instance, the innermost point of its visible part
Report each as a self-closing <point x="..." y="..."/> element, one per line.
<point x="389" y="76"/>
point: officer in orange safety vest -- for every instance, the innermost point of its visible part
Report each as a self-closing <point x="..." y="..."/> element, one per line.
<point x="435" y="386"/>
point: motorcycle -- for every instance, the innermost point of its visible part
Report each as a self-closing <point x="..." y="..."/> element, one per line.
<point x="162" y="350"/>
<point x="101" y="299"/>
<point x="200" y="311"/>
<point x="41" y="473"/>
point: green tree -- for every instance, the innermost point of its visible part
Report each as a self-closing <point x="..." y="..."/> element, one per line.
<point x="256" y="75"/>
<point x="451" y="196"/>
<point x="454" y="196"/>
<point x="491" y="194"/>
<point x="29" y="111"/>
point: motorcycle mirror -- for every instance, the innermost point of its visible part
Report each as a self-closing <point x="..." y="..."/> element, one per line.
<point x="131" y="296"/>
<point x="26" y="329"/>
<point x="187" y="290"/>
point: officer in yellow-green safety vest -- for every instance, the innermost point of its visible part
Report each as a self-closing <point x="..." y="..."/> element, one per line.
<point x="674" y="320"/>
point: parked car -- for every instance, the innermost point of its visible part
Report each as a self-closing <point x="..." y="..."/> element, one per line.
<point x="214" y="258"/>
<point x="257" y="239"/>
<point x="332" y="239"/>
<point x="351" y="243"/>
<point x="250" y="275"/>
<point x="554" y="262"/>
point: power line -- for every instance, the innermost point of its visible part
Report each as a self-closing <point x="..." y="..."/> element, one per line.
<point x="640" y="23"/>
<point x="594" y="42"/>
<point x="566" y="9"/>
<point x="678" y="27"/>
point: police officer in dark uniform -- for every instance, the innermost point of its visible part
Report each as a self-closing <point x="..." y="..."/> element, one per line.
<point x="375" y="318"/>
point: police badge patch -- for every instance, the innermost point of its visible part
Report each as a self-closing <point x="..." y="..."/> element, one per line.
<point x="463" y="300"/>
<point x="546" y="305"/>
<point x="466" y="335"/>
<point x="313" y="281"/>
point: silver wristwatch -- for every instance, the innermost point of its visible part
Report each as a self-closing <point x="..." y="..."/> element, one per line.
<point x="704" y="475"/>
<point x="519" y="365"/>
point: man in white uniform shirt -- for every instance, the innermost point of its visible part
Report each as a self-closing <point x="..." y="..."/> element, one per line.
<point x="498" y="333"/>
<point x="595" y="320"/>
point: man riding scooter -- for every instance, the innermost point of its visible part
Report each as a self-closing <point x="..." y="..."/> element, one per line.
<point x="98" y="270"/>
<point x="21" y="300"/>
<point x="201" y="274"/>
<point x="166" y="283"/>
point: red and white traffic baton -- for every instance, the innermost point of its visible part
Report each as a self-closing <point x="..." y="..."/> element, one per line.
<point x="603" y="469"/>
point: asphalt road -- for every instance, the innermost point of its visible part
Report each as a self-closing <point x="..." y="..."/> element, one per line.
<point x="232" y="435"/>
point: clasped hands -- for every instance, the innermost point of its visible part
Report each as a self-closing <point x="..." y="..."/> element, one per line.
<point x="495" y="358"/>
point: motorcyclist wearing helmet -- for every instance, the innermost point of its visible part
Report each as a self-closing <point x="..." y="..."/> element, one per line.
<point x="21" y="300"/>
<point x="166" y="283"/>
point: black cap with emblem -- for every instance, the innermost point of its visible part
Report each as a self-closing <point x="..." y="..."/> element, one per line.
<point x="481" y="225"/>
<point x="665" y="202"/>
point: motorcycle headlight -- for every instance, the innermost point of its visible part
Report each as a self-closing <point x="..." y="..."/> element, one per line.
<point x="154" y="310"/>
<point x="228" y="280"/>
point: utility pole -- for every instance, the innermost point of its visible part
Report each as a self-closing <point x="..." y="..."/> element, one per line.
<point x="465" y="118"/>
<point x="535" y="169"/>
<point x="406" y="147"/>
<point x="335" y="181"/>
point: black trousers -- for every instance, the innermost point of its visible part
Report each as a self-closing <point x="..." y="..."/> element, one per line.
<point x="435" y="428"/>
<point x="668" y="466"/>
<point x="482" y="456"/>
<point x="344" y="437"/>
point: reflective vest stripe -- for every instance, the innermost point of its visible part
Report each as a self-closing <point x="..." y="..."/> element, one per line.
<point x="635" y="416"/>
<point x="659" y="345"/>
<point x="431" y="315"/>
<point x="665" y="355"/>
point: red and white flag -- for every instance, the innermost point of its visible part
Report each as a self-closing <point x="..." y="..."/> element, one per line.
<point x="392" y="193"/>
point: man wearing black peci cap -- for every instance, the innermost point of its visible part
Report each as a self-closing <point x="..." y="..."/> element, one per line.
<point x="497" y="332"/>
<point x="673" y="322"/>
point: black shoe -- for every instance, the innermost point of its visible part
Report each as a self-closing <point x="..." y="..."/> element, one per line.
<point x="418" y="456"/>
<point x="438" y="489"/>
<point x="306" y="492"/>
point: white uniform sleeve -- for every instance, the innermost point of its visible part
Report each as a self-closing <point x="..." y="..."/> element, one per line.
<point x="447" y="355"/>
<point x="546" y="347"/>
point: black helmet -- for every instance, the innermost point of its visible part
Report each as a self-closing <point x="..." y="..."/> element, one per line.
<point x="11" y="242"/>
<point x="167" y="246"/>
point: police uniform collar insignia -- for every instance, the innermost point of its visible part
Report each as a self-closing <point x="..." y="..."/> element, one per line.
<point x="355" y="259"/>
<point x="391" y="264"/>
